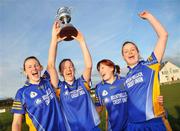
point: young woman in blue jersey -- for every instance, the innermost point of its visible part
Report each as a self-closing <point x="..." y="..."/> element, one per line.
<point x="110" y="93"/>
<point x="142" y="82"/>
<point x="37" y="101"/>
<point x="75" y="99"/>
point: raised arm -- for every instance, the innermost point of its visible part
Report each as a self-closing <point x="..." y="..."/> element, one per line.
<point x="161" y="33"/>
<point x="86" y="55"/>
<point x="52" y="55"/>
<point x="17" y="122"/>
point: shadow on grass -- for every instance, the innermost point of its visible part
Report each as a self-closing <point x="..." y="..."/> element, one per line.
<point x="175" y="122"/>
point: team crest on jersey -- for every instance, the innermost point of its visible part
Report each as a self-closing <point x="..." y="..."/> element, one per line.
<point x="38" y="101"/>
<point x="104" y="93"/>
<point x="65" y="87"/>
<point x="66" y="93"/>
<point x="33" y="94"/>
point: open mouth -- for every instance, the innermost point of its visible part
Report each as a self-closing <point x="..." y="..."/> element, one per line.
<point x="69" y="74"/>
<point x="103" y="75"/>
<point x="35" y="74"/>
<point x="131" y="57"/>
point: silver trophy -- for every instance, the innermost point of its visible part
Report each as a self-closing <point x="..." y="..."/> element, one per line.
<point x="67" y="29"/>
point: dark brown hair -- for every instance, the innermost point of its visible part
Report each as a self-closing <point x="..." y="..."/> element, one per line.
<point x="61" y="63"/>
<point x="107" y="62"/>
<point x="129" y="42"/>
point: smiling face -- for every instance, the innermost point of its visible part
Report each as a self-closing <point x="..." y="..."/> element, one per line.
<point x="32" y="69"/>
<point x="68" y="71"/>
<point x="106" y="72"/>
<point x="130" y="54"/>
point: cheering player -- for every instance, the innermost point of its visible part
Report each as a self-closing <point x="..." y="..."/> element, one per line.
<point x="75" y="99"/>
<point x="142" y="81"/>
<point x="37" y="101"/>
<point x="110" y="93"/>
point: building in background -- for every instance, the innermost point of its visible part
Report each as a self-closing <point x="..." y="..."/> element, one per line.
<point x="169" y="73"/>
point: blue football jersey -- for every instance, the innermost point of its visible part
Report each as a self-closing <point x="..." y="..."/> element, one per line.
<point x="114" y="98"/>
<point x="142" y="84"/>
<point x="77" y="106"/>
<point x="40" y="105"/>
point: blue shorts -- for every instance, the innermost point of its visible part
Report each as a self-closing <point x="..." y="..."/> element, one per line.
<point x="155" y="124"/>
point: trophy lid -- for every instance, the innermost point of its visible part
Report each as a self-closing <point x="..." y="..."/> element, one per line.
<point x="64" y="14"/>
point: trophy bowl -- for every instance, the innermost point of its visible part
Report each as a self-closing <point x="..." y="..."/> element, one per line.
<point x="67" y="29"/>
